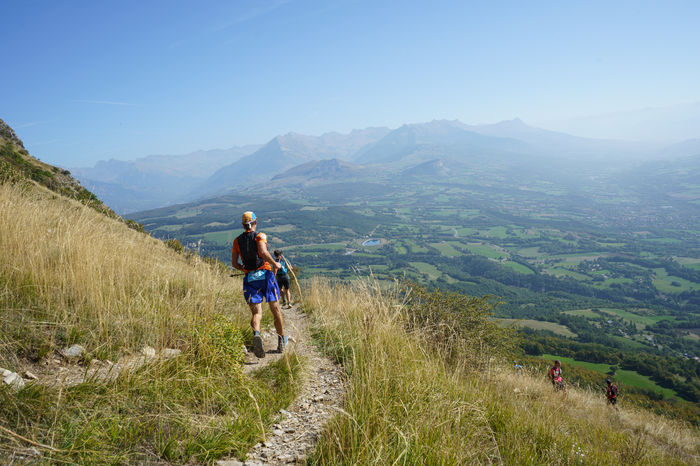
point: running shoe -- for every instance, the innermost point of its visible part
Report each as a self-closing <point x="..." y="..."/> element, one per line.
<point x="258" y="349"/>
<point x="281" y="343"/>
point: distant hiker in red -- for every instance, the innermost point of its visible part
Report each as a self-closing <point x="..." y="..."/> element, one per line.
<point x="555" y="376"/>
<point x="611" y="393"/>
<point x="249" y="253"/>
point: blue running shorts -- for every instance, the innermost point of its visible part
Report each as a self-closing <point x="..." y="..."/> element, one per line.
<point x="258" y="284"/>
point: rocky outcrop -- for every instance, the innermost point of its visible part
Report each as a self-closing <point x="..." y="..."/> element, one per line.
<point x="9" y="134"/>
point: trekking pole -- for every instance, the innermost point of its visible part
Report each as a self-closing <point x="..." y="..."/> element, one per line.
<point x="291" y="269"/>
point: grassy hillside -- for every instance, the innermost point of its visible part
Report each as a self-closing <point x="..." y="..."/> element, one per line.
<point x="69" y="274"/>
<point x="17" y="164"/>
<point x="435" y="393"/>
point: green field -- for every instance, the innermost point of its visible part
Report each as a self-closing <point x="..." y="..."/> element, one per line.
<point x="170" y="228"/>
<point x="414" y="247"/>
<point x="221" y="237"/>
<point x="486" y="250"/>
<point x="400" y="248"/>
<point x="466" y="231"/>
<point x="666" y="283"/>
<point x="530" y="252"/>
<point x="636" y="318"/>
<point x="640" y="320"/>
<point x="429" y="269"/>
<point x="497" y="232"/>
<point x="284" y="228"/>
<point x="185" y="213"/>
<point x="446" y="249"/>
<point x="690" y="262"/>
<point x="520" y="268"/>
<point x="539" y="325"/>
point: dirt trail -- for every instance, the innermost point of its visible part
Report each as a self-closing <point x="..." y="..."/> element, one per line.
<point x="56" y="371"/>
<point x="294" y="436"/>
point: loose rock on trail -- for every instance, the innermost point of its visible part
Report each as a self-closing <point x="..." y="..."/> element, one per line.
<point x="294" y="436"/>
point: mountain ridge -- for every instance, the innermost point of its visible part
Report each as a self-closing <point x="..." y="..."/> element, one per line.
<point x="158" y="181"/>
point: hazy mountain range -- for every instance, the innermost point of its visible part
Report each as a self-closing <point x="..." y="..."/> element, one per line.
<point x="438" y="147"/>
<point x="156" y="180"/>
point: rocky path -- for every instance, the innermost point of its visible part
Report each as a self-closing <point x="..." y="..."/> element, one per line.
<point x="63" y="368"/>
<point x="294" y="436"/>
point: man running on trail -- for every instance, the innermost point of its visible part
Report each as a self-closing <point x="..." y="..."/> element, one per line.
<point x="555" y="375"/>
<point x="249" y="253"/>
<point x="283" y="279"/>
<point x="611" y="393"/>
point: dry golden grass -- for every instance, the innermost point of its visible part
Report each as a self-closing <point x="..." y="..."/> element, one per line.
<point x="75" y="275"/>
<point x="629" y="435"/>
<point x="406" y="404"/>
<point x="69" y="274"/>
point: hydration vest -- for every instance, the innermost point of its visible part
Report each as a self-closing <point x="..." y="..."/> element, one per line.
<point x="612" y="391"/>
<point x="283" y="269"/>
<point x="249" y="251"/>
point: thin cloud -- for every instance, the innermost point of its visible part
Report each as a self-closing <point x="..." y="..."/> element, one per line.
<point x="104" y="102"/>
<point x="43" y="143"/>
<point x="29" y="124"/>
<point x="252" y="14"/>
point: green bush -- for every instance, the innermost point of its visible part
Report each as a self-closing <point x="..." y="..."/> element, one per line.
<point x="175" y="245"/>
<point x="460" y="326"/>
<point x="134" y="225"/>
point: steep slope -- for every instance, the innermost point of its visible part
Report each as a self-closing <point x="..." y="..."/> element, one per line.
<point x="72" y="276"/>
<point x="16" y="163"/>
<point x="427" y="385"/>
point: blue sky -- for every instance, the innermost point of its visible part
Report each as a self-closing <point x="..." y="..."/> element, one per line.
<point x="89" y="80"/>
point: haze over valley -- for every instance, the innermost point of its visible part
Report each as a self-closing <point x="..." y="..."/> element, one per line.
<point x="488" y="214"/>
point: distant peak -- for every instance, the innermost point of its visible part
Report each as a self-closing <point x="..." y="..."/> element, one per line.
<point x="515" y="122"/>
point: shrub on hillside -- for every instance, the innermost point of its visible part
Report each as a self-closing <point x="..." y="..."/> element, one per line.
<point x="134" y="225"/>
<point x="458" y="325"/>
<point x="175" y="245"/>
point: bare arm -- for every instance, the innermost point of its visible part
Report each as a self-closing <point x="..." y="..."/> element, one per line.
<point x="265" y="254"/>
<point x="234" y="260"/>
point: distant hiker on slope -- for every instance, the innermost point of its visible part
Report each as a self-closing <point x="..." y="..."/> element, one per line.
<point x="283" y="279"/>
<point x="518" y="368"/>
<point x="611" y="393"/>
<point x="249" y="253"/>
<point x="555" y="375"/>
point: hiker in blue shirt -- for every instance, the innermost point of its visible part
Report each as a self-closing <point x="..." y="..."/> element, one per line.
<point x="283" y="279"/>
